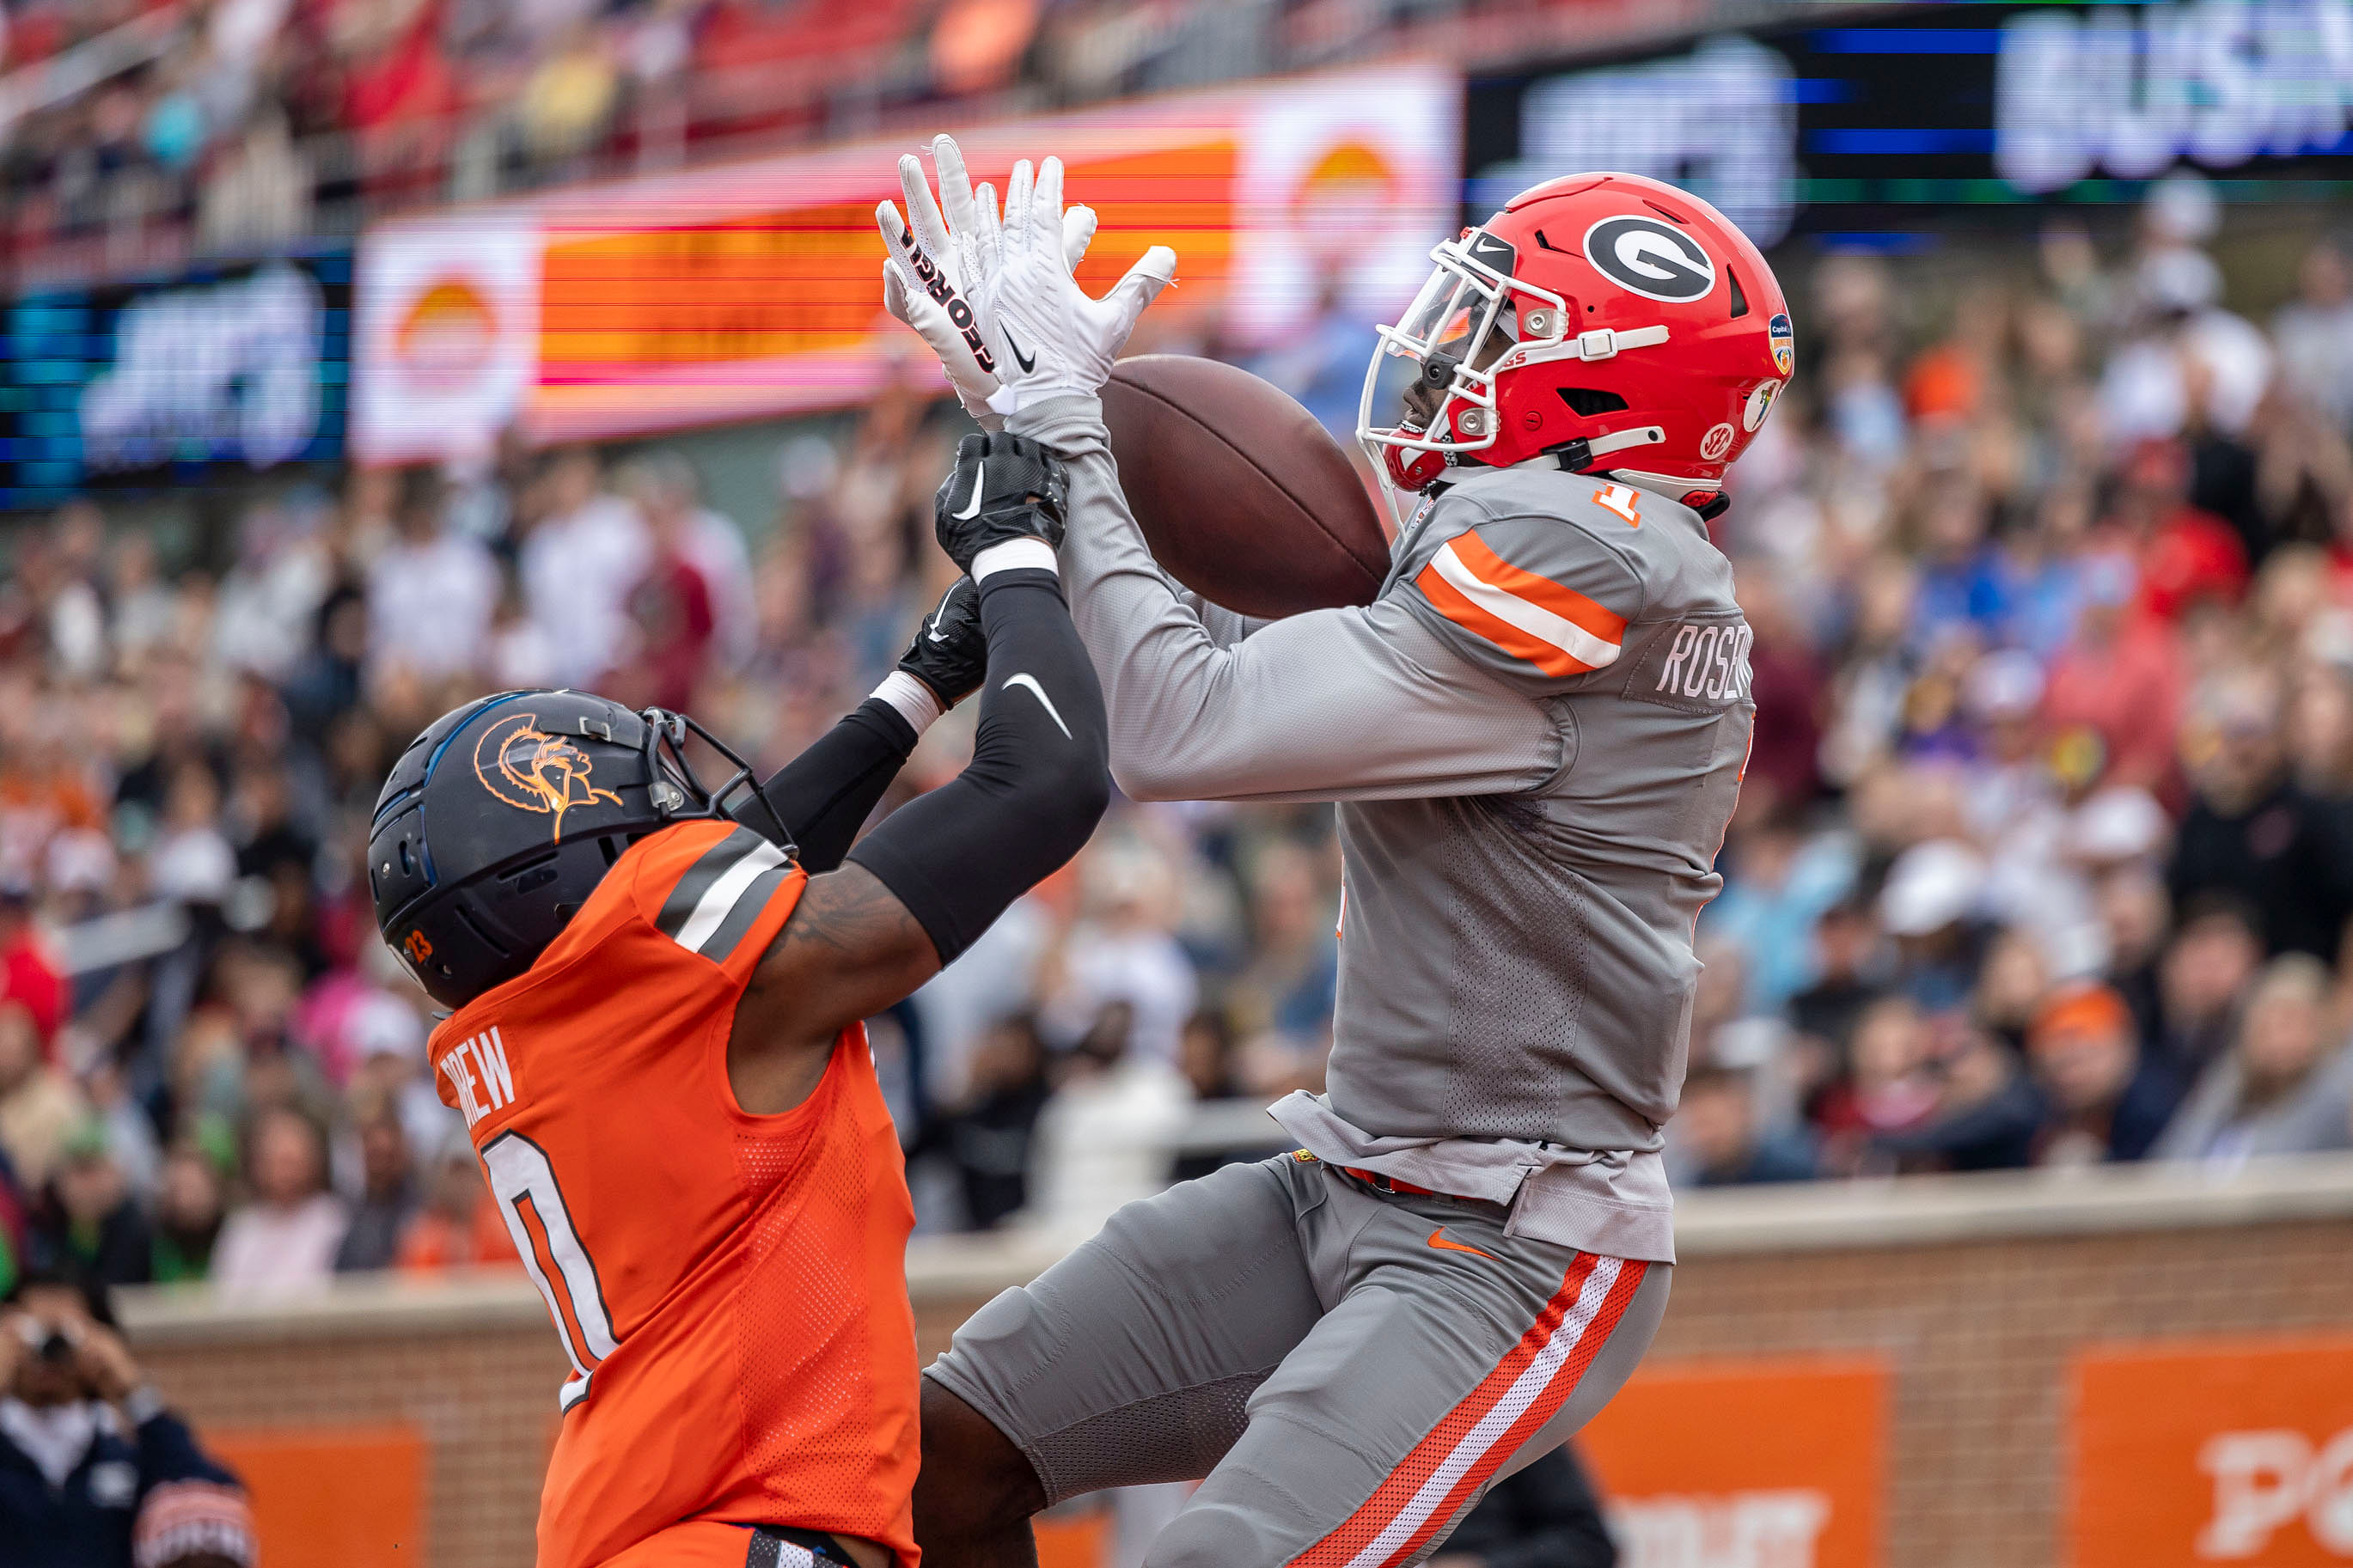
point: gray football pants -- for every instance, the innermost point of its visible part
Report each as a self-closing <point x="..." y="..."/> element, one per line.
<point x="1350" y="1370"/>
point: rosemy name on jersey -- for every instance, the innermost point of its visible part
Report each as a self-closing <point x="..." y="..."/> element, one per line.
<point x="1707" y="661"/>
<point x="477" y="1069"/>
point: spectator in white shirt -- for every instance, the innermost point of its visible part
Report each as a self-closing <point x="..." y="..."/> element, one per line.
<point x="430" y="594"/>
<point x="579" y="566"/>
<point x="1125" y="954"/>
<point x="2315" y="335"/>
<point x="282" y="1243"/>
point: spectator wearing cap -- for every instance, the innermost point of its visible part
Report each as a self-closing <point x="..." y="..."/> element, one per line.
<point x="2285" y="1087"/>
<point x="283" y="1242"/>
<point x="89" y="1224"/>
<point x="387" y="1038"/>
<point x="2104" y="1099"/>
<point x="1931" y="904"/>
<point x="95" y="1471"/>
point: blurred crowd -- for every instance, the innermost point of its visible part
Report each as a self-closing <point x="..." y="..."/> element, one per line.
<point x="244" y="123"/>
<point x="2045" y="850"/>
<point x="2044" y="854"/>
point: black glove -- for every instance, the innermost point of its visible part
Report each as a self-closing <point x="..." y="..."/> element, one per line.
<point x="950" y="653"/>
<point x="1004" y="488"/>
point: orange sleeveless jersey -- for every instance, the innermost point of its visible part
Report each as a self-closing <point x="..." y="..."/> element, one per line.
<point x="730" y="1289"/>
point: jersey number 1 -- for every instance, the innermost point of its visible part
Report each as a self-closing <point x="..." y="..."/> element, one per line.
<point x="1623" y="500"/>
<point x="532" y="1206"/>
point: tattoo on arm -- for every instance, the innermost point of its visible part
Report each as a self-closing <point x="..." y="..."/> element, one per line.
<point x="849" y="917"/>
<point x="850" y="950"/>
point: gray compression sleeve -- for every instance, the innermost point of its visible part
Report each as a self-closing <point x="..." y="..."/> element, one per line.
<point x="1346" y="704"/>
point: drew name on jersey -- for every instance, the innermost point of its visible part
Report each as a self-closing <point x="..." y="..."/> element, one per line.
<point x="1707" y="660"/>
<point x="477" y="1069"/>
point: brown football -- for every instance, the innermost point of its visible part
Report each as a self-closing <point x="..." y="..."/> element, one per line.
<point x="1243" y="496"/>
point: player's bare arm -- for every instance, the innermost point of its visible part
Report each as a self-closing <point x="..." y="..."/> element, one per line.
<point x="849" y="950"/>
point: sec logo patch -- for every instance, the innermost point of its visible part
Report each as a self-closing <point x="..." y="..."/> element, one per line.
<point x="1715" y="443"/>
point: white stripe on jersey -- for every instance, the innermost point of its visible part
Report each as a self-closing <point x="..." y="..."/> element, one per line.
<point x="719" y="900"/>
<point x="1531" y="618"/>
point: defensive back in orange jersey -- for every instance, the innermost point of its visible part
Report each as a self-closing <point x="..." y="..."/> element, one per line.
<point x="730" y="1288"/>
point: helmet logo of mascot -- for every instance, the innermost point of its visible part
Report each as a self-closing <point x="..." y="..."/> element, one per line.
<point x="531" y="770"/>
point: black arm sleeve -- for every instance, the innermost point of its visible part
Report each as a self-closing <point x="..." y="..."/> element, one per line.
<point x="1038" y="780"/>
<point x="826" y="793"/>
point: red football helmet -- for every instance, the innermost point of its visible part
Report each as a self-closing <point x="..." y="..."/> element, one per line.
<point x="1613" y="320"/>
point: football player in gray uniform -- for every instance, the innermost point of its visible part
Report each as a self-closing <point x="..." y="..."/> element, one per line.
<point x="1535" y="736"/>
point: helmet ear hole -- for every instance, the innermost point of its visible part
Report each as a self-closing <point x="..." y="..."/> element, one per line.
<point x="1585" y="402"/>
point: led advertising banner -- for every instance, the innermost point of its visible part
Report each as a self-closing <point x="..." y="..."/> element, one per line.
<point x="1857" y="126"/>
<point x="753" y="289"/>
<point x="239" y="367"/>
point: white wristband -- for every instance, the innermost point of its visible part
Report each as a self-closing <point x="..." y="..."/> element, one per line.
<point x="917" y="703"/>
<point x="1014" y="553"/>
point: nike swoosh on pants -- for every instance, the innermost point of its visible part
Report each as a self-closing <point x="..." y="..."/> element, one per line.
<point x="1438" y="1239"/>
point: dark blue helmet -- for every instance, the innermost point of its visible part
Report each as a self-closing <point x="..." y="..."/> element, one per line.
<point x="499" y="820"/>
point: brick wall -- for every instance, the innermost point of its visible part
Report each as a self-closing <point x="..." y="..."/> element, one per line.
<point x="1974" y="1300"/>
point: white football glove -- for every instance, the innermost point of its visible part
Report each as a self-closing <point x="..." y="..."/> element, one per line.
<point x="1047" y="337"/>
<point x="937" y="276"/>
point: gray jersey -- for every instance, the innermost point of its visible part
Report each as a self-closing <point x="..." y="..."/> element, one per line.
<point x="1536" y="735"/>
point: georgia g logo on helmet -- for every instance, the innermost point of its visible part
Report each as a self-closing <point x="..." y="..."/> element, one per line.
<point x="533" y="770"/>
<point x="1652" y="257"/>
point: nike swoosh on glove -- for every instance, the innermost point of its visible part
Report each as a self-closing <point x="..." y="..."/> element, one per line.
<point x="950" y="653"/>
<point x="1050" y="338"/>
<point x="1004" y="488"/>
<point x="936" y="277"/>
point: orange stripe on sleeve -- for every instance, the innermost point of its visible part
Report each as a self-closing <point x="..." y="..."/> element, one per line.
<point x="1520" y="645"/>
<point x="1562" y="601"/>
